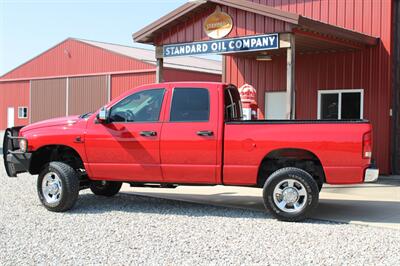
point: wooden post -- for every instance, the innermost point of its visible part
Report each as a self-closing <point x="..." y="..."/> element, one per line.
<point x="160" y="65"/>
<point x="290" y="79"/>
<point x="223" y="68"/>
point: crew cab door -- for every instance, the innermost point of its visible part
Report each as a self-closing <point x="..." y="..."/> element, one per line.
<point x="126" y="148"/>
<point x="188" y="146"/>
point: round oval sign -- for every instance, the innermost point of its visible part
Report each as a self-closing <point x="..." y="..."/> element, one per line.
<point x="218" y="24"/>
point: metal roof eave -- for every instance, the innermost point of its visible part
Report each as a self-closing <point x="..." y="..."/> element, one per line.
<point x="146" y="34"/>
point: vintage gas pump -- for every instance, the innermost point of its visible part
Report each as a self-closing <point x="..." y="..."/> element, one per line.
<point x="249" y="103"/>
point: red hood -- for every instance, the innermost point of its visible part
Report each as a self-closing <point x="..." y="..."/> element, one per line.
<point x="52" y="122"/>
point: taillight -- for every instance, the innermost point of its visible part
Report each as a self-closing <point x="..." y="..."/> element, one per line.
<point x="367" y="145"/>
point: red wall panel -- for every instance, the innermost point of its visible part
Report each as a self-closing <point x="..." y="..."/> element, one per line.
<point x="124" y="82"/>
<point x="13" y="94"/>
<point x="244" y="23"/>
<point x="368" y="69"/>
<point x="72" y="57"/>
<point x="180" y="75"/>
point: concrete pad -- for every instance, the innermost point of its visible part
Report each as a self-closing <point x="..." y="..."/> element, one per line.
<point x="375" y="205"/>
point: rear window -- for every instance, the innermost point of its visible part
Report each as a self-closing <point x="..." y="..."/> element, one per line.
<point x="233" y="105"/>
<point x="190" y="105"/>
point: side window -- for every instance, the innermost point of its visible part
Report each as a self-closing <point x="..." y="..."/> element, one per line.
<point x="233" y="105"/>
<point x="190" y="104"/>
<point x="144" y="106"/>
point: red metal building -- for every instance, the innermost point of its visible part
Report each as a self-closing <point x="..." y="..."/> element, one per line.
<point x="78" y="76"/>
<point x="335" y="58"/>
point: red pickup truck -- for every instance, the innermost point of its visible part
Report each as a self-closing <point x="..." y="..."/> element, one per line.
<point x="189" y="133"/>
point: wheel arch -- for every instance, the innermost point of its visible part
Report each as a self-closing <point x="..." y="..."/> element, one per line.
<point x="290" y="157"/>
<point x="55" y="152"/>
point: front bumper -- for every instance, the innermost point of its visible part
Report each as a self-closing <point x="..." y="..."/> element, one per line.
<point x="15" y="161"/>
<point x="371" y="175"/>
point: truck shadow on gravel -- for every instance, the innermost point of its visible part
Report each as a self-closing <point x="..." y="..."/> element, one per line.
<point x="129" y="203"/>
<point x="328" y="212"/>
<point x="92" y="204"/>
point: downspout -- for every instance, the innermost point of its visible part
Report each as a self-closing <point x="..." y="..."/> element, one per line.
<point x="396" y="88"/>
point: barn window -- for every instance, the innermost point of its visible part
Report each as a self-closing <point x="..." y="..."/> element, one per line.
<point x="22" y="112"/>
<point x="340" y="104"/>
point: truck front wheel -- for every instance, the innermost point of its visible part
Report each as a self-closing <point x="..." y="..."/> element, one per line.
<point x="291" y="194"/>
<point x="58" y="187"/>
<point x="105" y="188"/>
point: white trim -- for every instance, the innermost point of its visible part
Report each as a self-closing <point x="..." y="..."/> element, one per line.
<point x="66" y="95"/>
<point x="27" y="109"/>
<point x="108" y="88"/>
<point x="340" y="92"/>
<point x="30" y="102"/>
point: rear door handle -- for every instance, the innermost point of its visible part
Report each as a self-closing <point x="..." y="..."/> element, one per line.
<point x="148" y="133"/>
<point x="205" y="133"/>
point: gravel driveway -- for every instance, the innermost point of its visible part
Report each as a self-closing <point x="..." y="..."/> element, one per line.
<point x="142" y="230"/>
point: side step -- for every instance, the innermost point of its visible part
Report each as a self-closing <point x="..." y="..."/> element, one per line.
<point x="153" y="185"/>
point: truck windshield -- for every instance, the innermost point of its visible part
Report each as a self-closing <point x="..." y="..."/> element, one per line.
<point x="233" y="105"/>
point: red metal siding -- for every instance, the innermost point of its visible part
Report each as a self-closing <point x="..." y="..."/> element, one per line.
<point x="125" y="82"/>
<point x="244" y="23"/>
<point x="72" y="57"/>
<point x="13" y="94"/>
<point x="181" y="75"/>
<point x="368" y="69"/>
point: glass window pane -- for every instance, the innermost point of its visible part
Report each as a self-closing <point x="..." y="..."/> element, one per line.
<point x="22" y="112"/>
<point x="144" y="106"/>
<point x="351" y="103"/>
<point x="190" y="104"/>
<point x="232" y="104"/>
<point x="329" y="106"/>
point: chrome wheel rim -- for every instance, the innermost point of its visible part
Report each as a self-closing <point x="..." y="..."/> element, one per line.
<point x="290" y="196"/>
<point x="52" y="188"/>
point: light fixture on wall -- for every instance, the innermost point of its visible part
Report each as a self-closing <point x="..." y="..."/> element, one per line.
<point x="264" y="57"/>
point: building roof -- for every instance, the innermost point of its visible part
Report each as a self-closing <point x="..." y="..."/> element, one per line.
<point x="190" y="63"/>
<point x="197" y="64"/>
<point x="147" y="34"/>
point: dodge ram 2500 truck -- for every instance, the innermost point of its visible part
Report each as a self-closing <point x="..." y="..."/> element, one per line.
<point x="189" y="133"/>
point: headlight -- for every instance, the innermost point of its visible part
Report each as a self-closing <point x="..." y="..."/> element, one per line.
<point x="23" y="145"/>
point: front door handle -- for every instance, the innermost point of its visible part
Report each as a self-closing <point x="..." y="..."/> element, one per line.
<point x="205" y="133"/>
<point x="148" y="133"/>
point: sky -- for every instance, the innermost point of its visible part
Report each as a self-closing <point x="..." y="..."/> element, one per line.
<point x="29" y="27"/>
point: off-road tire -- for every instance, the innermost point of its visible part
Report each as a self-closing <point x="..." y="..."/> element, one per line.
<point x="109" y="189"/>
<point x="70" y="186"/>
<point x="299" y="175"/>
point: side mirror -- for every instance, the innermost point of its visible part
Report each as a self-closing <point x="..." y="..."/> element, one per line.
<point x="102" y="116"/>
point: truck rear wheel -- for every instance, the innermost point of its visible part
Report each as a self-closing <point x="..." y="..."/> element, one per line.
<point x="58" y="187"/>
<point x="291" y="194"/>
<point x="105" y="188"/>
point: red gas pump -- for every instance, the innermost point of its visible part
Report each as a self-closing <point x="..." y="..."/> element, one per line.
<point x="248" y="97"/>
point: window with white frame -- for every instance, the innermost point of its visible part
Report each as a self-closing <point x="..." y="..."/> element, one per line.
<point x="22" y="112"/>
<point x="340" y="104"/>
